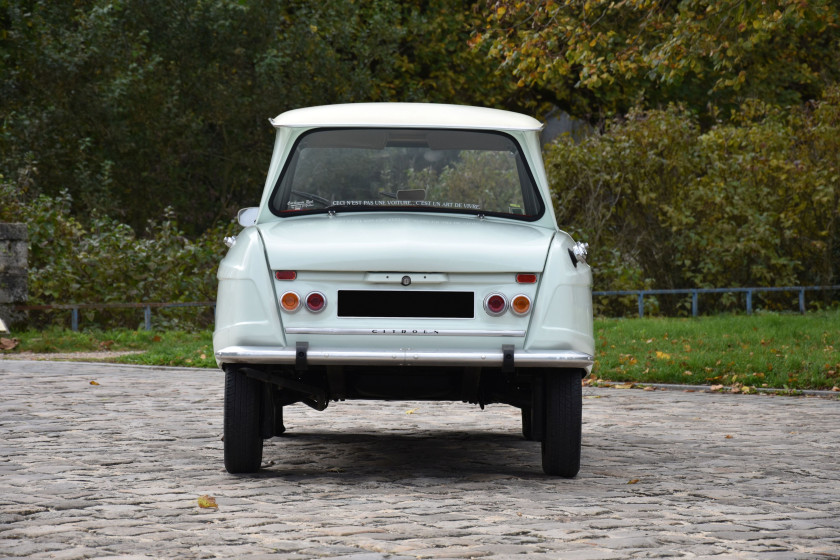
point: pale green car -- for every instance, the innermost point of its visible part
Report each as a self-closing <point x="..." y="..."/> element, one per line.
<point x="404" y="251"/>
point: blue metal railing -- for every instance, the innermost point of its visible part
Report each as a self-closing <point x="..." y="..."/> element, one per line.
<point x="695" y="294"/>
<point x="74" y="308"/>
<point x="147" y="309"/>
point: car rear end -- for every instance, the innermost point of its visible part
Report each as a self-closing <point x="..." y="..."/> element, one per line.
<point x="449" y="282"/>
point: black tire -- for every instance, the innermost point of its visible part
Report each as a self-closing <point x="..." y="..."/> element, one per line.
<point x="243" y="440"/>
<point x="527" y="432"/>
<point x="562" y="437"/>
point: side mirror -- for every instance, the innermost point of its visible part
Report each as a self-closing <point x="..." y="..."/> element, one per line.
<point x="247" y="216"/>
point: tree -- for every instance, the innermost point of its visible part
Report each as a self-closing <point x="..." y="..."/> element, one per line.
<point x="132" y="112"/>
<point x="599" y="58"/>
<point x="136" y="105"/>
<point x="665" y="204"/>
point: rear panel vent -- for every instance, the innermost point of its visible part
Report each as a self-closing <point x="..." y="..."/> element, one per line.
<point x="409" y="304"/>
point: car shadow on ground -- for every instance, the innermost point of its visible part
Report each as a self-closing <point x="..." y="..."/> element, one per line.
<point x="429" y="454"/>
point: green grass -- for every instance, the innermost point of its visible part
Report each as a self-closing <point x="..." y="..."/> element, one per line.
<point x="783" y="351"/>
<point x="165" y="348"/>
<point x="763" y="350"/>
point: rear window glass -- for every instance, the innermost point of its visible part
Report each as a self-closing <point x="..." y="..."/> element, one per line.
<point x="415" y="170"/>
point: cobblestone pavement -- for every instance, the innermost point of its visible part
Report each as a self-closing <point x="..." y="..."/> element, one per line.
<point x="116" y="470"/>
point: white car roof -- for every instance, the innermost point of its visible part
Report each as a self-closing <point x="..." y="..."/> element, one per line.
<point x="419" y="115"/>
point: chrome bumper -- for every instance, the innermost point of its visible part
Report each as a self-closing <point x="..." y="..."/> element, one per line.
<point x="404" y="357"/>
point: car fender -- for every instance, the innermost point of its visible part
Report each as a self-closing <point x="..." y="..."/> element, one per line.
<point x="562" y="314"/>
<point x="246" y="305"/>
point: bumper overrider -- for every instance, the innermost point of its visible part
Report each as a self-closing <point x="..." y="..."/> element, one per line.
<point x="505" y="357"/>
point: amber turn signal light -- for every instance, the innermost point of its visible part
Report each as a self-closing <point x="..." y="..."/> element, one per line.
<point x="290" y="301"/>
<point x="520" y="304"/>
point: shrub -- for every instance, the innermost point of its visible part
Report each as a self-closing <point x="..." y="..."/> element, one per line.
<point x="754" y="201"/>
<point x="106" y="262"/>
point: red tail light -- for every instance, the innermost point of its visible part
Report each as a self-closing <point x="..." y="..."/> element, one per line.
<point x="315" y="302"/>
<point x="526" y="278"/>
<point x="285" y="274"/>
<point x="495" y="304"/>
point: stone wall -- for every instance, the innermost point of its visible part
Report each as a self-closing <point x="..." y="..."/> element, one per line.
<point x="14" y="255"/>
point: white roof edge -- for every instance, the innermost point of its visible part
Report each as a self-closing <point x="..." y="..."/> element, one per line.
<point x="413" y="115"/>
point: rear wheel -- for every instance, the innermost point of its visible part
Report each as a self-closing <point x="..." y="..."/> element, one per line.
<point x="561" y="441"/>
<point x="243" y="437"/>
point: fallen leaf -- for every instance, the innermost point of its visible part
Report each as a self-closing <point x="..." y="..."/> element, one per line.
<point x="94" y="383"/>
<point x="728" y="436"/>
<point x="627" y="359"/>
<point x="206" y="501"/>
<point x="662" y="355"/>
<point x="156" y="338"/>
<point x="633" y="481"/>
<point x="8" y="343"/>
<point x="716" y="387"/>
<point x="411" y="411"/>
<point x="835" y="388"/>
<point x="335" y="470"/>
<point x="650" y="388"/>
<point x="204" y="356"/>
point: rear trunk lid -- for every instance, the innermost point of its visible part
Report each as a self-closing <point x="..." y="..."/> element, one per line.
<point x="405" y="243"/>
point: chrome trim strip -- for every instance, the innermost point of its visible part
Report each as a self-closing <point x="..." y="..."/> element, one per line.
<point x="404" y="332"/>
<point x="403" y="357"/>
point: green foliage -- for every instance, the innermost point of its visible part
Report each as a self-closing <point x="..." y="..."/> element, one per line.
<point x="106" y="262"/>
<point x="132" y="112"/>
<point x="597" y="58"/>
<point x="133" y="106"/>
<point x="116" y="116"/>
<point x="750" y="203"/>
